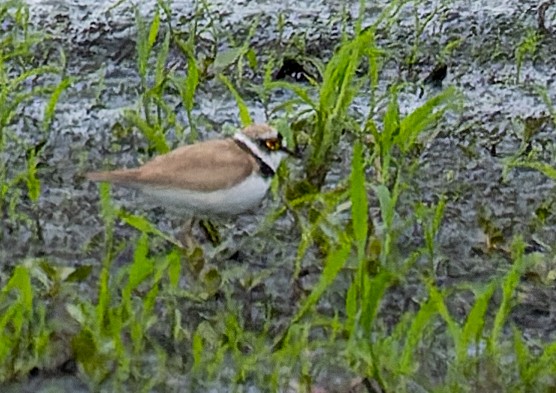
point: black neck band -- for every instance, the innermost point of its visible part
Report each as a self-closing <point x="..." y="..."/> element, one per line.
<point x="266" y="170"/>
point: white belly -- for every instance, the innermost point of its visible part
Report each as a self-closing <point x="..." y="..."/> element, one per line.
<point x="227" y="202"/>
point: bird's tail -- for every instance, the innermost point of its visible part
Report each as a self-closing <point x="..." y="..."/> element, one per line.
<point x="120" y="176"/>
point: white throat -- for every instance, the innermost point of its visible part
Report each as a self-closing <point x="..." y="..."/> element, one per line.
<point x="270" y="158"/>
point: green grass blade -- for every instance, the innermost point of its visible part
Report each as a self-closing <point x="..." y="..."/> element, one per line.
<point x="523" y="357"/>
<point x="109" y="215"/>
<point x="197" y="349"/>
<point x="161" y="58"/>
<point x="439" y="300"/>
<point x="438" y="214"/>
<point x="15" y="83"/>
<point x="544" y="366"/>
<point x="144" y="225"/>
<point x="243" y="110"/>
<point x="359" y="203"/>
<point x="391" y="123"/>
<point x="306" y="241"/>
<point x="387" y="205"/>
<point x="192" y="81"/>
<point x="509" y="286"/>
<point x="414" y="334"/>
<point x="373" y="293"/>
<point x="21" y="281"/>
<point x="106" y="208"/>
<point x="33" y="182"/>
<point x="300" y="91"/>
<point x="154" y="133"/>
<point x="474" y="324"/>
<point x="188" y="88"/>
<point x="333" y="264"/>
<point x="351" y="308"/>
<point x="141" y="45"/>
<point x="226" y="58"/>
<point x="421" y="118"/>
<point x="153" y="31"/>
<point x="51" y="105"/>
<point x="285" y="130"/>
<point x="142" y="267"/>
<point x="174" y="268"/>
<point x="546" y="169"/>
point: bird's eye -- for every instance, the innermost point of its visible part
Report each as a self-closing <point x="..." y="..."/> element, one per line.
<point x="273" y="144"/>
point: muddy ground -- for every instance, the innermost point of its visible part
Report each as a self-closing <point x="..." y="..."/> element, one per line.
<point x="465" y="161"/>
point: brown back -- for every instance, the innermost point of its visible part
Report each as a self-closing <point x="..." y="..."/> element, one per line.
<point x="204" y="166"/>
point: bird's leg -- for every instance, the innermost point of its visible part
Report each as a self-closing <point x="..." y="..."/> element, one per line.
<point x="191" y="247"/>
<point x="185" y="234"/>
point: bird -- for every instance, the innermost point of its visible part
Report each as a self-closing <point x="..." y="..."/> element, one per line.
<point x="209" y="179"/>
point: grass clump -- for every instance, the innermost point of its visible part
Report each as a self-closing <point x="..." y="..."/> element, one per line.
<point x="542" y="158"/>
<point x="23" y="79"/>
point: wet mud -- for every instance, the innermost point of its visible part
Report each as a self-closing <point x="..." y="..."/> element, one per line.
<point x="465" y="162"/>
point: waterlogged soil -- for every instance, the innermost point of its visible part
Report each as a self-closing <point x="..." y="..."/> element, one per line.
<point x="465" y="162"/>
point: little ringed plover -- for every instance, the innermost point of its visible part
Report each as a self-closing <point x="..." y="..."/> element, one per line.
<point x="220" y="177"/>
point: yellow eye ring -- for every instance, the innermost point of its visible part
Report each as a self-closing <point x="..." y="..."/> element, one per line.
<point x="272" y="144"/>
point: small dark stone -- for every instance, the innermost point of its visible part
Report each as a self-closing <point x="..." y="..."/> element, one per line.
<point x="34" y="372"/>
<point x="493" y="151"/>
<point x="293" y="69"/>
<point x="437" y="75"/>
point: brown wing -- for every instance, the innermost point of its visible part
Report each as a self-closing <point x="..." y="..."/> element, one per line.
<point x="205" y="166"/>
